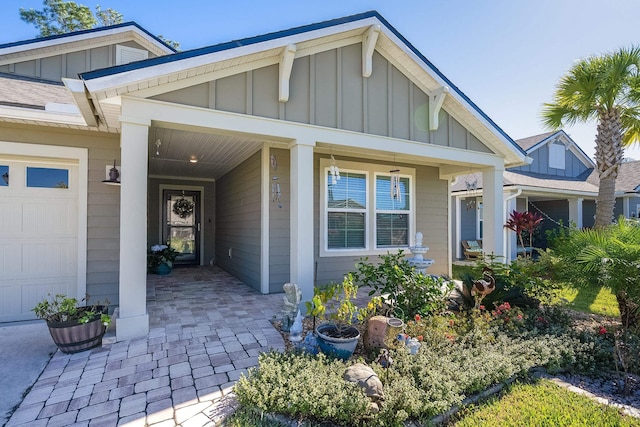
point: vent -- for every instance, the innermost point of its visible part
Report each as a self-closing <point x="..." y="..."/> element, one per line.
<point x="125" y="55"/>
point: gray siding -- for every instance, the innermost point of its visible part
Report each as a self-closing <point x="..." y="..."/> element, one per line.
<point x="327" y="89"/>
<point x="103" y="221"/>
<point x="588" y="213"/>
<point x="238" y="221"/>
<point x="208" y="220"/>
<point x="469" y="218"/>
<point x="70" y="64"/>
<point x="279" y="230"/>
<point x="540" y="164"/>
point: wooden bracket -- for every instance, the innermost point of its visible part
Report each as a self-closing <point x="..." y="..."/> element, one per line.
<point x="369" y="40"/>
<point x="436" y="98"/>
<point x="286" y="64"/>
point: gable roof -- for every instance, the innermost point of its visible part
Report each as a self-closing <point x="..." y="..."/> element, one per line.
<point x="535" y="142"/>
<point x="28" y="92"/>
<point x="26" y="50"/>
<point x="151" y="73"/>
<point x="527" y="143"/>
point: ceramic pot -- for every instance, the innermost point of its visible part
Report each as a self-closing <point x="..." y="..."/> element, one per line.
<point x="163" y="269"/>
<point x="332" y="344"/>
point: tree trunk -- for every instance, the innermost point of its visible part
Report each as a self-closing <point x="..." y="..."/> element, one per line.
<point x="629" y="311"/>
<point x="609" y="155"/>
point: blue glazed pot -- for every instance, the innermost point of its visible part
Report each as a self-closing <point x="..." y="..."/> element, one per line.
<point x="340" y="347"/>
<point x="163" y="269"/>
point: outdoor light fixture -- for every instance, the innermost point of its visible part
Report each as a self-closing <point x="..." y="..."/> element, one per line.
<point x="193" y="159"/>
<point x="158" y="144"/>
<point x="114" y="176"/>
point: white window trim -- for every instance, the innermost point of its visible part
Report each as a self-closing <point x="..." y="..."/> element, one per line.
<point x="370" y="170"/>
<point x="557" y="156"/>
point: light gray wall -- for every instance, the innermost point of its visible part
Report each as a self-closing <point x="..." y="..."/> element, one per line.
<point x="327" y="89"/>
<point x="540" y="164"/>
<point x="56" y="67"/>
<point x="208" y="201"/>
<point x="238" y="221"/>
<point x="469" y="218"/>
<point x="279" y="229"/>
<point x="103" y="210"/>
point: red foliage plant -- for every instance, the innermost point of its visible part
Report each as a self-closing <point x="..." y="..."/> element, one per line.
<point x="524" y="221"/>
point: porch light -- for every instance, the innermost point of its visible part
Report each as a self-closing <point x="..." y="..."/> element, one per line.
<point x="193" y="159"/>
<point x="395" y="184"/>
<point x="114" y="176"/>
<point x="334" y="171"/>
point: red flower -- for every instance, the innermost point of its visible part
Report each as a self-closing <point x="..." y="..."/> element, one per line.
<point x="419" y="337"/>
<point x="481" y="307"/>
<point x="417" y="317"/>
<point x="602" y="330"/>
<point x="451" y="322"/>
<point x="519" y="316"/>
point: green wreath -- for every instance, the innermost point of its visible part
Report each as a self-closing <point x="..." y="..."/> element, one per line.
<point x="183" y="207"/>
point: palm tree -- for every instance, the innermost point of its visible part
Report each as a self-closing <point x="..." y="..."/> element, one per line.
<point x="606" y="88"/>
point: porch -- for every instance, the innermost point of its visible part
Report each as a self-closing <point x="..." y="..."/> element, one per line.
<point x="206" y="329"/>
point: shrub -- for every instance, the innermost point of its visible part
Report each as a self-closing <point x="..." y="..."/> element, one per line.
<point x="408" y="291"/>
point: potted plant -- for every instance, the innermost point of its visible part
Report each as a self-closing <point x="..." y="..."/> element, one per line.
<point x="160" y="259"/>
<point x="339" y="337"/>
<point x="73" y="325"/>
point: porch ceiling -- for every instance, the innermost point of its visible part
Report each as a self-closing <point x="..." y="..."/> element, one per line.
<point x="216" y="154"/>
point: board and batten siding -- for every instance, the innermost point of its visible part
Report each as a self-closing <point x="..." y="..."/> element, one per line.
<point x="70" y="64"/>
<point x="327" y="89"/>
<point x="103" y="210"/>
<point x="540" y="164"/>
<point x="238" y="221"/>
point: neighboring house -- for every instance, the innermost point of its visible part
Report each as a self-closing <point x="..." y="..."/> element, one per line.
<point x="560" y="183"/>
<point x="248" y="131"/>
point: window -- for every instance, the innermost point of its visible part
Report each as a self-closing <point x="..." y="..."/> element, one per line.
<point x="47" y="178"/>
<point x="4" y="176"/>
<point x="556" y="156"/>
<point x="346" y="211"/>
<point x="392" y="215"/>
<point x="360" y="216"/>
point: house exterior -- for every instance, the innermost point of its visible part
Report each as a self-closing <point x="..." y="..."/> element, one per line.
<point x="560" y="183"/>
<point x="252" y="136"/>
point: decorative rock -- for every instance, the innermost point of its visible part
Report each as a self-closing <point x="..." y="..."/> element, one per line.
<point x="366" y="378"/>
<point x="381" y="331"/>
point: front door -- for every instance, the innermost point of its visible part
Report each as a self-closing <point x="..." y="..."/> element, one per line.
<point x="181" y="224"/>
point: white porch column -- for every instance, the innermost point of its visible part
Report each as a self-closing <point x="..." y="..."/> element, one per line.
<point x="301" y="218"/>
<point x="575" y="211"/>
<point x="133" y="320"/>
<point x="511" y="240"/>
<point x="493" y="213"/>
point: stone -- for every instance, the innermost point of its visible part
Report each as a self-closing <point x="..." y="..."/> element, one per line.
<point x="381" y="332"/>
<point x="366" y="378"/>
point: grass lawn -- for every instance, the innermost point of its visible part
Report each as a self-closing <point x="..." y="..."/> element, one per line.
<point x="591" y="300"/>
<point x="541" y="404"/>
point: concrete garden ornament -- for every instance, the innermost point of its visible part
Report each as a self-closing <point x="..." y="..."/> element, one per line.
<point x="290" y="304"/>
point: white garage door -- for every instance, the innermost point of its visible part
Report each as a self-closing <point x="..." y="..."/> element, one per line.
<point x="38" y="233"/>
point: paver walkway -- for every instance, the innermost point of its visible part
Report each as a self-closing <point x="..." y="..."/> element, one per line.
<point x="206" y="328"/>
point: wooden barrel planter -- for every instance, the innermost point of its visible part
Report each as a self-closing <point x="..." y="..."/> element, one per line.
<point x="71" y="337"/>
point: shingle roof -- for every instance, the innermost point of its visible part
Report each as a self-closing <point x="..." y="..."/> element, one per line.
<point x="28" y="92"/>
<point x="526" y="143"/>
<point x="629" y="177"/>
<point x="527" y="179"/>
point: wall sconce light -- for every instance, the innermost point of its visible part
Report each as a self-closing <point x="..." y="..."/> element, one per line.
<point x="193" y="159"/>
<point x="113" y="175"/>
<point x="334" y="171"/>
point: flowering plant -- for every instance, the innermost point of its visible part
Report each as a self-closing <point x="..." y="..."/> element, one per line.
<point x="160" y="254"/>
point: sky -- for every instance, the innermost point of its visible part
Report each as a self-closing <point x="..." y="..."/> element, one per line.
<point x="506" y="55"/>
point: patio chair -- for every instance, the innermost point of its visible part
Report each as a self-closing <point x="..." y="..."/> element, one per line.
<point x="472" y="249"/>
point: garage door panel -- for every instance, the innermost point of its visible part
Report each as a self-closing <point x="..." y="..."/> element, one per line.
<point x="10" y="258"/>
<point x="20" y="296"/>
<point x="53" y="218"/>
<point x="10" y="215"/>
<point x="51" y="258"/>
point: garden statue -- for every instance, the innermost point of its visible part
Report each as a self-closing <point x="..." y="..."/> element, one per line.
<point x="483" y="287"/>
<point x="367" y="379"/>
<point x="296" y="330"/>
<point x="418" y="261"/>
<point x="291" y="301"/>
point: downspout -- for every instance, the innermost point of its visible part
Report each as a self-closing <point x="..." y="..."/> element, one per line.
<point x="506" y="232"/>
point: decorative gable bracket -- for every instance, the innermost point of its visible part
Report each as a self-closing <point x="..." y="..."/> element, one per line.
<point x="369" y="40"/>
<point x="286" y="64"/>
<point x="436" y="98"/>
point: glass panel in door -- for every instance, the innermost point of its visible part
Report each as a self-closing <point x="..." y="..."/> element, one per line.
<point x="182" y="224"/>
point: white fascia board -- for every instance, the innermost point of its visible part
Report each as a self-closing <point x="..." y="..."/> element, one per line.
<point x="134" y="76"/>
<point x="82" y="38"/>
<point x="28" y="114"/>
<point x="527" y="191"/>
<point x="76" y="87"/>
